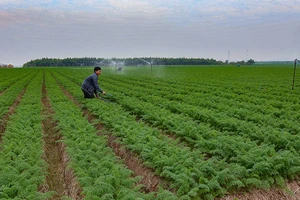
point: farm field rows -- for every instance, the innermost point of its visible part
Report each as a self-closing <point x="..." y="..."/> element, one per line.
<point x="177" y="132"/>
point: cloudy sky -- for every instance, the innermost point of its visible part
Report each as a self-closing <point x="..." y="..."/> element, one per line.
<point x="231" y="30"/>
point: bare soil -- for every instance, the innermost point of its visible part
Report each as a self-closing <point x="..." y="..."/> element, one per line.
<point x="150" y="180"/>
<point x="292" y="192"/>
<point x="59" y="178"/>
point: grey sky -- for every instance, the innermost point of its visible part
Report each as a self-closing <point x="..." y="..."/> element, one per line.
<point x="220" y="29"/>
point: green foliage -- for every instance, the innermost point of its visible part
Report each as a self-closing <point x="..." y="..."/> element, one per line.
<point x="22" y="169"/>
<point x="226" y="125"/>
<point x="75" y="62"/>
<point x="165" y="195"/>
<point x="231" y="128"/>
<point x="98" y="170"/>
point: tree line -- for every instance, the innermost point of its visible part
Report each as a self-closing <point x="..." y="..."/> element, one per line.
<point x="71" y="62"/>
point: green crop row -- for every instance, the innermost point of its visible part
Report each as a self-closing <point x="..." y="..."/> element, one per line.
<point x="263" y="111"/>
<point x="278" y="114"/>
<point x="239" y="127"/>
<point x="159" y="152"/>
<point x="11" y="76"/>
<point x="214" y="93"/>
<point x="12" y="92"/>
<point x="191" y="175"/>
<point x="22" y="169"/>
<point x="282" y="139"/>
<point x="229" y="147"/>
<point x="99" y="172"/>
<point x="265" y="165"/>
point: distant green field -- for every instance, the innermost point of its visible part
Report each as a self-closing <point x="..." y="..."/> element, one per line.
<point x="256" y="76"/>
<point x="206" y="131"/>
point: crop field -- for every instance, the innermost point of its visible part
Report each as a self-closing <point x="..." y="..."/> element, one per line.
<point x="169" y="132"/>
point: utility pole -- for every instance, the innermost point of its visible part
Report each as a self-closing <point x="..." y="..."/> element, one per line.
<point x="228" y="56"/>
<point x="295" y="66"/>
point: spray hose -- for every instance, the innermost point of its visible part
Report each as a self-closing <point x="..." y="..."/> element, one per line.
<point x="108" y="98"/>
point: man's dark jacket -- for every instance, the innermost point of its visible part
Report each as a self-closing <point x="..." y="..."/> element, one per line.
<point x="90" y="84"/>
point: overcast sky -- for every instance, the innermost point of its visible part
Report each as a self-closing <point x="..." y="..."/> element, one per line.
<point x="220" y="29"/>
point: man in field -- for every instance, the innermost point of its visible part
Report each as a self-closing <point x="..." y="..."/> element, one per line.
<point x="90" y="85"/>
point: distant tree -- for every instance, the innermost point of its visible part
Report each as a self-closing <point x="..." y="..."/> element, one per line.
<point x="250" y="62"/>
<point x="242" y="62"/>
<point x="44" y="62"/>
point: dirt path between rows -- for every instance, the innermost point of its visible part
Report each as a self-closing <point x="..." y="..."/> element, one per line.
<point x="272" y="194"/>
<point x="60" y="178"/>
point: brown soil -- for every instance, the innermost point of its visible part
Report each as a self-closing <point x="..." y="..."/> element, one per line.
<point x="149" y="179"/>
<point x="60" y="178"/>
<point x="292" y="192"/>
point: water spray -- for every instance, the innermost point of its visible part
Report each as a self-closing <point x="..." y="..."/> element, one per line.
<point x="118" y="65"/>
<point x="114" y="63"/>
<point x="102" y="61"/>
<point x="149" y="63"/>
